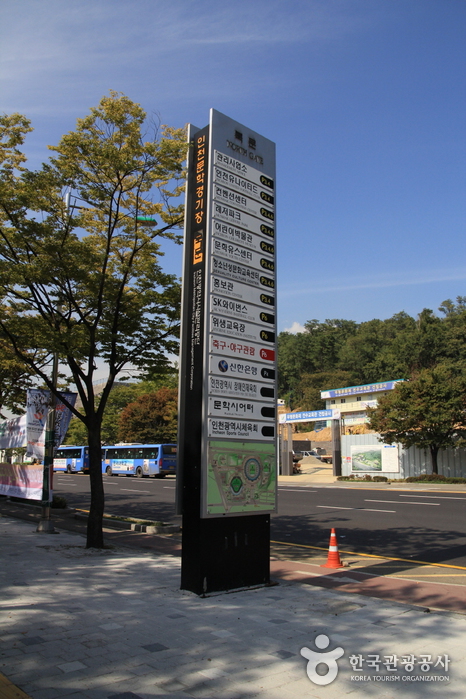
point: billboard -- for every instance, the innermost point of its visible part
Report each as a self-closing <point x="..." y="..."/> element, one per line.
<point x="375" y="458"/>
<point x="228" y="361"/>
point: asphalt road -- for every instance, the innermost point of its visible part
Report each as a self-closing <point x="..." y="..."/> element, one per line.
<point x="420" y="525"/>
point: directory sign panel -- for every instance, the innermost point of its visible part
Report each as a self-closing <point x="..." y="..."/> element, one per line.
<point x="229" y="319"/>
<point x="239" y="403"/>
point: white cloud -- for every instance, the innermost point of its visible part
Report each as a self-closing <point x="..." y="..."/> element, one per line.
<point x="295" y="328"/>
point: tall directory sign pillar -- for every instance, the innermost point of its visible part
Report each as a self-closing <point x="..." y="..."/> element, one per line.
<point x="227" y="462"/>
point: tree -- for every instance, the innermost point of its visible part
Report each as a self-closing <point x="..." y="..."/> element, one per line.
<point x="15" y="379"/>
<point x="428" y="412"/>
<point x="85" y="282"/>
<point x="151" y="419"/>
<point x="310" y="386"/>
<point x="120" y="396"/>
<point x="315" y="350"/>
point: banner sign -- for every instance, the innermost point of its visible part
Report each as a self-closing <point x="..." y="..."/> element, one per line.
<point x="309" y="416"/>
<point x="228" y="346"/>
<point x="378" y="458"/>
<point x="13" y="433"/>
<point x="22" y="480"/>
<point x="38" y="406"/>
<point x="357" y="390"/>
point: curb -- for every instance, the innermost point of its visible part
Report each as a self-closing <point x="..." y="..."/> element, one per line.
<point x="134" y="526"/>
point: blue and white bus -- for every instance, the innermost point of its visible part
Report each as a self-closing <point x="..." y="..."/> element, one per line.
<point x="71" y="459"/>
<point x="157" y="460"/>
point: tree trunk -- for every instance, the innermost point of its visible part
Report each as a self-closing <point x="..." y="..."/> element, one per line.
<point x="95" y="537"/>
<point x="433" y="455"/>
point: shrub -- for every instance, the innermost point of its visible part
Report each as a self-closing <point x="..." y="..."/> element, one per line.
<point x="380" y="479"/>
<point x="434" y="478"/>
<point x="58" y="502"/>
<point x="425" y="477"/>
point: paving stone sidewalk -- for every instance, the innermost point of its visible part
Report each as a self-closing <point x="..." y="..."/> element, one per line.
<point x="114" y="624"/>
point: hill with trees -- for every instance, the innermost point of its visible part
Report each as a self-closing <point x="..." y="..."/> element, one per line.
<point x="338" y="353"/>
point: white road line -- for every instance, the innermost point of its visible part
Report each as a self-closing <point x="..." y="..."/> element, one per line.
<point x="397" y="502"/>
<point x="128" y="490"/>
<point x="437" y="497"/>
<point x="169" y="487"/>
<point x="360" y="509"/>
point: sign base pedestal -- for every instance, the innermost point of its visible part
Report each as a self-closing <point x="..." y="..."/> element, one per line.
<point x="225" y="553"/>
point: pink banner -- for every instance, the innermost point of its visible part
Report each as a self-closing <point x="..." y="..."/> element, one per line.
<point x="22" y="480"/>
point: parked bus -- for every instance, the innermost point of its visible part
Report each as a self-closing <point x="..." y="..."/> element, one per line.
<point x="71" y="459"/>
<point x="139" y="460"/>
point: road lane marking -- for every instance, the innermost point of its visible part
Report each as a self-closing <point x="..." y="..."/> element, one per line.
<point x="437" y="497"/>
<point x="397" y="502"/>
<point x="371" y="555"/>
<point x="360" y="509"/>
<point x="128" y="490"/>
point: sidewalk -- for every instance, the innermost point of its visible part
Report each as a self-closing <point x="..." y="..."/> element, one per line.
<point x="113" y="624"/>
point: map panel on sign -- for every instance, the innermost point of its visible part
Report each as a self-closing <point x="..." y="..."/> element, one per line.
<point x="229" y="214"/>
<point x="237" y="236"/>
<point x="241" y="477"/>
<point x="241" y="185"/>
<point x="241" y="310"/>
<point x="232" y="428"/>
<point x="229" y="327"/>
<point x="240" y="369"/>
<point x="238" y="168"/>
<point x="243" y="292"/>
<point x="245" y="389"/>
<point x="240" y="408"/>
<point x="241" y="350"/>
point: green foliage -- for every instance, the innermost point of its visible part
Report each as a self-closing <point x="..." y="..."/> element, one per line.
<point x="152" y="418"/>
<point x="77" y="433"/>
<point x="59" y="502"/>
<point x="428" y="412"/>
<point x="84" y="281"/>
<point x="434" y="478"/>
<point x="307" y="392"/>
<point x="335" y="354"/>
<point x="314" y="351"/>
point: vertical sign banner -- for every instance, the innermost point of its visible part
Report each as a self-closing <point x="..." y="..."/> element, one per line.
<point x="38" y="404"/>
<point x="228" y="364"/>
<point x="192" y="325"/>
<point x="13" y="433"/>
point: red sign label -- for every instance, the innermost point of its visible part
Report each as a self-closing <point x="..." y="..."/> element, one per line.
<point x="267" y="354"/>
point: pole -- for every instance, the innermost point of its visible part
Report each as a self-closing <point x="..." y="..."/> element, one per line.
<point x="46" y="525"/>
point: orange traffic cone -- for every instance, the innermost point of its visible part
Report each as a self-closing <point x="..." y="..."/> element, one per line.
<point x="333" y="559"/>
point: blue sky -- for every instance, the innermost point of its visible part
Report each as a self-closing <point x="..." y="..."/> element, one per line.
<point x="365" y="100"/>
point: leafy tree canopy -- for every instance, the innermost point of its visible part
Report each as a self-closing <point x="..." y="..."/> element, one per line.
<point x="84" y="280"/>
<point x="151" y="418"/>
<point x="428" y="412"/>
